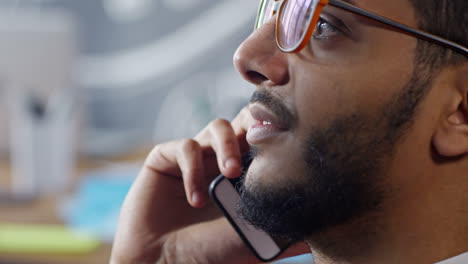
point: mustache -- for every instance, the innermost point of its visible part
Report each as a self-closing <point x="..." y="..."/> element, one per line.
<point x="276" y="105"/>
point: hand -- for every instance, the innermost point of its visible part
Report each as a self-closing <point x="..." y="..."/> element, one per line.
<point x="167" y="216"/>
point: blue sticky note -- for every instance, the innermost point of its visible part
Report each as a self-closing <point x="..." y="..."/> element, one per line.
<point x="95" y="207"/>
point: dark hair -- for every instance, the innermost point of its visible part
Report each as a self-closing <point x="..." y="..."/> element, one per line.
<point x="445" y="18"/>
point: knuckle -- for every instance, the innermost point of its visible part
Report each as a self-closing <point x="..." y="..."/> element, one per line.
<point x="169" y="250"/>
<point x="220" y="123"/>
<point x="159" y="149"/>
<point x="189" y="145"/>
<point x="156" y="149"/>
<point x="154" y="154"/>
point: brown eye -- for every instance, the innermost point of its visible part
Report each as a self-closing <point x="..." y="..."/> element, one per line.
<point x="325" y="29"/>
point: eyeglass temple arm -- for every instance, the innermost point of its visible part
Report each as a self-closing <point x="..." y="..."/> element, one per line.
<point x="417" y="33"/>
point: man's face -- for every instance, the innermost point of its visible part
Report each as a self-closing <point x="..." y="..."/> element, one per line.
<point x="338" y="111"/>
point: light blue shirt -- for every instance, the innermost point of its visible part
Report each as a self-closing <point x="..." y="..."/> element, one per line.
<point x="301" y="259"/>
<point x="460" y="259"/>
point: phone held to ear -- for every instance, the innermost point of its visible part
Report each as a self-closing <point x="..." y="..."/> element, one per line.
<point x="226" y="196"/>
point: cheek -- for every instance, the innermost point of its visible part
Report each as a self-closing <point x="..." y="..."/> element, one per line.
<point x="322" y="93"/>
<point x="277" y="165"/>
<point x="319" y="98"/>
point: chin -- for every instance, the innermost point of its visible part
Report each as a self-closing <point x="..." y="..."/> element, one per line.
<point x="274" y="171"/>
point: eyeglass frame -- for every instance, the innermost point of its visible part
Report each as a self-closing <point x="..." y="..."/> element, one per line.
<point x="278" y="9"/>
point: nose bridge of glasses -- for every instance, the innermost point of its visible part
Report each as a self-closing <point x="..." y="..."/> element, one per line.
<point x="276" y="6"/>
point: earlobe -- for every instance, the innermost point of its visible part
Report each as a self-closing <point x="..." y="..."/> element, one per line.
<point x="451" y="137"/>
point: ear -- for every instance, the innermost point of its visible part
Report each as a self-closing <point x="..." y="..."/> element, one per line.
<point x="451" y="136"/>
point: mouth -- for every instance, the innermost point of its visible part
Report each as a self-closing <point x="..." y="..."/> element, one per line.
<point x="267" y="125"/>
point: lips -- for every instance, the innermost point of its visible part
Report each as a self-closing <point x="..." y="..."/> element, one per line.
<point x="267" y="125"/>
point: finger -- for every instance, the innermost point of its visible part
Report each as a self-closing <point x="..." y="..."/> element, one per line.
<point x="190" y="160"/>
<point x="181" y="158"/>
<point x="242" y="121"/>
<point x="221" y="137"/>
<point x="241" y="124"/>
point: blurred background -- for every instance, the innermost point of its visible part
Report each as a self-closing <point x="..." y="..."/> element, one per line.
<point x="86" y="89"/>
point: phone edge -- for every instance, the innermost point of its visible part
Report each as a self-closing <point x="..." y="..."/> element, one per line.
<point x="212" y="194"/>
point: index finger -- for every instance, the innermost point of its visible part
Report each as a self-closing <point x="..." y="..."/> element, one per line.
<point x="241" y="124"/>
<point x="219" y="135"/>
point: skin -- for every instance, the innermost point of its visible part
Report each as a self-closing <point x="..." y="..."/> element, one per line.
<point x="167" y="216"/>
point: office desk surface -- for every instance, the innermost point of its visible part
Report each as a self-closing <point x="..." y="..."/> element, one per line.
<point x="44" y="211"/>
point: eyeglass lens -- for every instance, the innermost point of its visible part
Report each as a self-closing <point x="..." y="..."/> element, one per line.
<point x="294" y="20"/>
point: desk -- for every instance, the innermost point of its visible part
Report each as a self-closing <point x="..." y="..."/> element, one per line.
<point x="44" y="211"/>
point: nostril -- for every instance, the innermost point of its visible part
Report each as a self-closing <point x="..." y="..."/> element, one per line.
<point x="256" y="77"/>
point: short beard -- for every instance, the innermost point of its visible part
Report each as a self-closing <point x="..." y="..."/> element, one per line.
<point x="344" y="172"/>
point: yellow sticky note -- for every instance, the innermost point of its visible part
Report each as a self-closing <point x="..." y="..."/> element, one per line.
<point x="48" y="239"/>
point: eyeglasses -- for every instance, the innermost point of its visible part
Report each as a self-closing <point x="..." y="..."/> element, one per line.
<point x="297" y="20"/>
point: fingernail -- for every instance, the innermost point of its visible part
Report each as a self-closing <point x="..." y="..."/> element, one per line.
<point x="231" y="163"/>
<point x="196" y="198"/>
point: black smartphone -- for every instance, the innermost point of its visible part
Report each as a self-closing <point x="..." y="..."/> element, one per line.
<point x="225" y="193"/>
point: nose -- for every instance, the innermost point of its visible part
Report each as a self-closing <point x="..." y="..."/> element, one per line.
<point x="258" y="59"/>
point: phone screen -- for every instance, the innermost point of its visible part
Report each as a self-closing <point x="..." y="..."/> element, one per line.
<point x="226" y="195"/>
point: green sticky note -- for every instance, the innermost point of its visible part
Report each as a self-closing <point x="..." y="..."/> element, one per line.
<point x="44" y="239"/>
